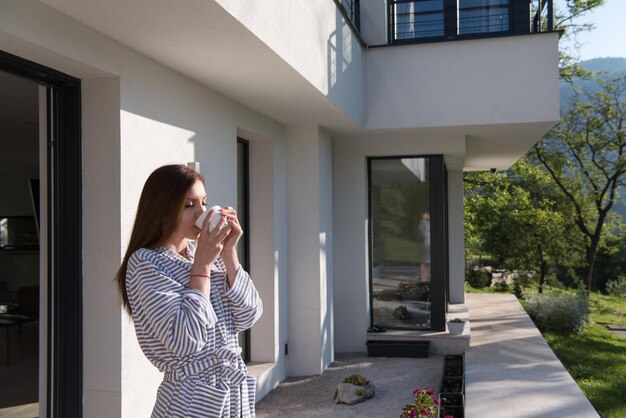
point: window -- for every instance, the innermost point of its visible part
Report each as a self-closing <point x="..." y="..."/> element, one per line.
<point x="408" y="273"/>
<point x="424" y="20"/>
<point x="418" y="19"/>
<point x="243" y="212"/>
<point x="481" y="16"/>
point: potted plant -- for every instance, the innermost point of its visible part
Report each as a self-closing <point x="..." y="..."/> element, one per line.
<point x="455" y="326"/>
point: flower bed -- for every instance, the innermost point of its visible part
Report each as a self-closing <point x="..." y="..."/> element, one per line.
<point x="452" y="391"/>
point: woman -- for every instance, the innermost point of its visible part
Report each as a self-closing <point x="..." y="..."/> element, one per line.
<point x="188" y="297"/>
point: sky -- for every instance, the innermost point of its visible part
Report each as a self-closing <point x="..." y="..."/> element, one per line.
<point x="608" y="39"/>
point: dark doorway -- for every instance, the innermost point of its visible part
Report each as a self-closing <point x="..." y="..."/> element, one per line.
<point x="62" y="272"/>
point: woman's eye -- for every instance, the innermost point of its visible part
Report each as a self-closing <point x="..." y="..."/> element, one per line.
<point x="189" y="204"/>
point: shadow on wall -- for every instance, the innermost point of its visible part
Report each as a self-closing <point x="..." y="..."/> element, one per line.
<point x="345" y="85"/>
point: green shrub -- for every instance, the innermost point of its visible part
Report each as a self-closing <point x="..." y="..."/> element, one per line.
<point x="478" y="278"/>
<point x="558" y="312"/>
<point x="617" y="287"/>
<point x="355" y="379"/>
<point x="501" y="286"/>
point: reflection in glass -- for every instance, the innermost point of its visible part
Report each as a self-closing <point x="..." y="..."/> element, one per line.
<point x="419" y="19"/>
<point x="400" y="248"/>
<point x="481" y="16"/>
<point x="18" y="232"/>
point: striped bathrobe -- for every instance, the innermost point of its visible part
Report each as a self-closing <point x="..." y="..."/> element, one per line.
<point x="190" y="338"/>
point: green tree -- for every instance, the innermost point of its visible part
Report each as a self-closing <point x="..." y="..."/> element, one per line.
<point x="585" y="154"/>
<point x="567" y="19"/>
<point x="517" y="216"/>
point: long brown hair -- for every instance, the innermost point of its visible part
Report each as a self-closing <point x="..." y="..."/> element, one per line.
<point x="158" y="213"/>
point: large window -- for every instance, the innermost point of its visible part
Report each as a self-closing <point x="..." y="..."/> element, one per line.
<point x="407" y="272"/>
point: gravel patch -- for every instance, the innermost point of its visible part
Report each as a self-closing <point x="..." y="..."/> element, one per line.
<point x="394" y="379"/>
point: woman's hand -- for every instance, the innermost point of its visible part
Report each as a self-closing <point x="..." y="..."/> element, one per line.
<point x="210" y="246"/>
<point x="229" y="250"/>
<point x="236" y="232"/>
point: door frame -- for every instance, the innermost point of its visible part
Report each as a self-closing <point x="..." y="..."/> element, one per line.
<point x="64" y="245"/>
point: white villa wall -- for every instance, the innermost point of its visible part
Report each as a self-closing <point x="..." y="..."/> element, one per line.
<point x="351" y="286"/>
<point x="308" y="190"/>
<point x="315" y="40"/>
<point x="138" y="115"/>
<point x="472" y="82"/>
<point x="310" y="223"/>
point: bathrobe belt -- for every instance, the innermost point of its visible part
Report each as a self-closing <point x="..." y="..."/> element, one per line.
<point x="225" y="363"/>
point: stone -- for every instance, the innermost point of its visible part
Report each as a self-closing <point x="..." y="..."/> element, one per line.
<point x="350" y="394"/>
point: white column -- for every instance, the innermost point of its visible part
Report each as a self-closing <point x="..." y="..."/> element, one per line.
<point x="103" y="320"/>
<point x="456" y="236"/>
<point x="309" y="222"/>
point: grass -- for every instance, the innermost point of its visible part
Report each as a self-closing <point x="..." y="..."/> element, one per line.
<point x="596" y="358"/>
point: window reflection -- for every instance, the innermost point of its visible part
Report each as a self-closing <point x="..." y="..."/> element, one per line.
<point x="400" y="247"/>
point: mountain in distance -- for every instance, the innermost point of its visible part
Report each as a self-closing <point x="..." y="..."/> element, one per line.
<point x="610" y="69"/>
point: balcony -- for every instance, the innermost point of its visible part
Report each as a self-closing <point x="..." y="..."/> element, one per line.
<point x="419" y="21"/>
<point x="413" y="21"/>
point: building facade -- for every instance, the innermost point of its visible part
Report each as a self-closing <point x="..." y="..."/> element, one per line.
<point x="337" y="127"/>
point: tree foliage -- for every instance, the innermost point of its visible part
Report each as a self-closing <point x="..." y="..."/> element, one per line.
<point x="585" y="155"/>
<point x="569" y="15"/>
<point x="518" y="217"/>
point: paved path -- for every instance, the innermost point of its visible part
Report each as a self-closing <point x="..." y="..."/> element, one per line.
<point x="510" y="369"/>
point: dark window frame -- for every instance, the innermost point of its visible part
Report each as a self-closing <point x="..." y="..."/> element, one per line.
<point x="64" y="157"/>
<point x="245" y="224"/>
<point x="439" y="236"/>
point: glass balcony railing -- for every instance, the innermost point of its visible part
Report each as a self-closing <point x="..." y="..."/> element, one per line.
<point x="423" y="20"/>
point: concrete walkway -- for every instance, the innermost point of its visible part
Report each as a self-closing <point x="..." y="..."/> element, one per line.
<point x="510" y="369"/>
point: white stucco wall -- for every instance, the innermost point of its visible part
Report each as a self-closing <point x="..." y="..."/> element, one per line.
<point x="472" y="82"/>
<point x="138" y="115"/>
<point x="315" y="40"/>
<point x="351" y="297"/>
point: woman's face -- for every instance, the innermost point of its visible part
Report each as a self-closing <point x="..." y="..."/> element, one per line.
<point x="195" y="204"/>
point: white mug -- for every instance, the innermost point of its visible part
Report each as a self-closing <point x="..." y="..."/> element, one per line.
<point x="215" y="220"/>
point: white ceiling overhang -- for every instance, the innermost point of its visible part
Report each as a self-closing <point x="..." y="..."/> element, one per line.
<point x="202" y="41"/>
